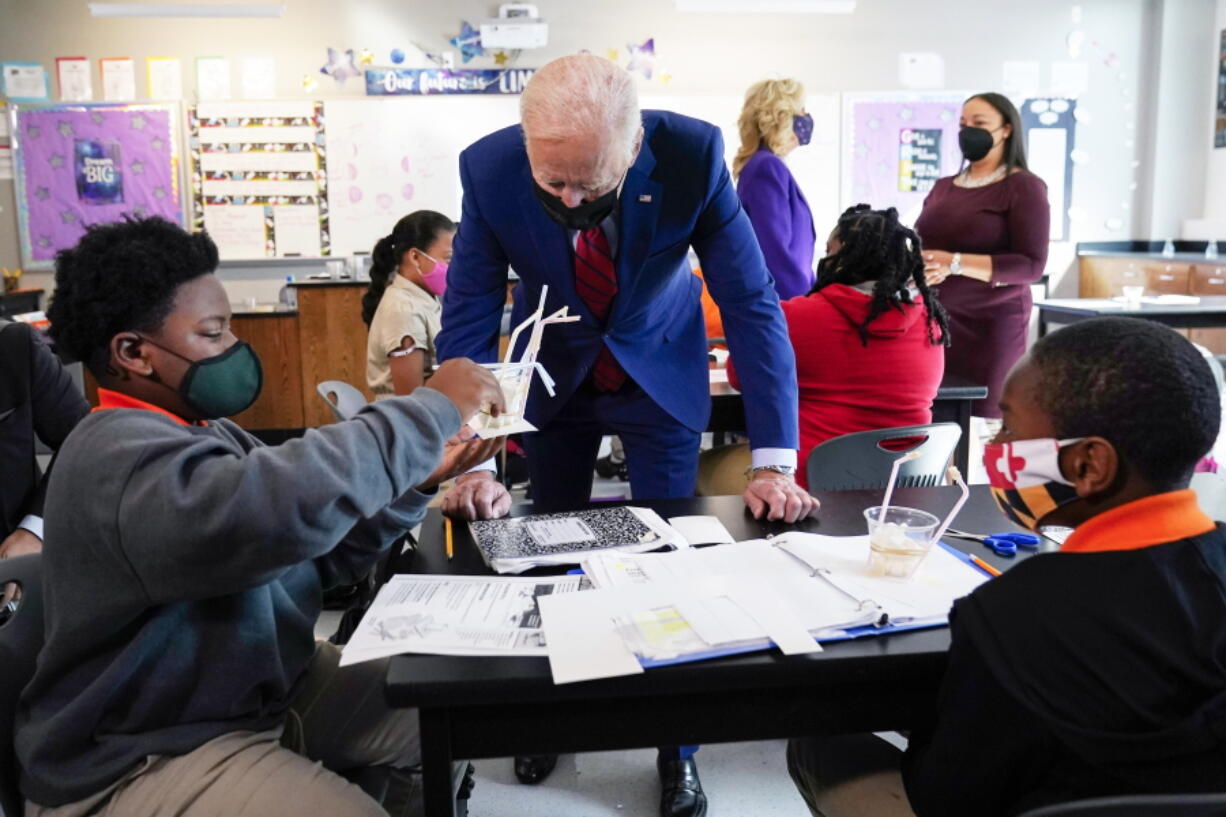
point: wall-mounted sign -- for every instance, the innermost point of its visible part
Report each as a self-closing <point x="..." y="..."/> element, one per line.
<point x="421" y="81"/>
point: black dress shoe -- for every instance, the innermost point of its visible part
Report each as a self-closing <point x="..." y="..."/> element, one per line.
<point x="532" y="769"/>
<point x="681" y="791"/>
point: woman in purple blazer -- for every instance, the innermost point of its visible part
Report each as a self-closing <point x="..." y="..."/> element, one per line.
<point x="985" y="235"/>
<point x="772" y="124"/>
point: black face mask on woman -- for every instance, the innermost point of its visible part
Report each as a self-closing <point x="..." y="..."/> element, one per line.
<point x="976" y="142"/>
<point x="582" y="216"/>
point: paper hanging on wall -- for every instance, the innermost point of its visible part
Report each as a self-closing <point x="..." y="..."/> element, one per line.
<point x="165" y="77"/>
<point x="259" y="79"/>
<point x="74" y="78"/>
<point x="1069" y="79"/>
<point x="921" y="70"/>
<point x="237" y="229"/>
<point x="118" y="79"/>
<point x="212" y="78"/>
<point x="295" y="229"/>
<point x="24" y="81"/>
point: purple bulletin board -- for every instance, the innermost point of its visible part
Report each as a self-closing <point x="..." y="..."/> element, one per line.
<point x="878" y="129"/>
<point x="90" y="164"/>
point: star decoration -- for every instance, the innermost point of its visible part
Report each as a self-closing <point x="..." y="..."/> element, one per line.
<point x="159" y="192"/>
<point x="157" y="143"/>
<point x="500" y="58"/>
<point x="309" y="83"/>
<point x="44" y="241"/>
<point x="468" y="41"/>
<point x="139" y="210"/>
<point x="42" y="194"/>
<point x="366" y="56"/>
<point x="64" y="129"/>
<point x="340" y="66"/>
<point x="138" y="122"/>
<point x="613" y="55"/>
<point x="137" y="167"/>
<point x="33" y="131"/>
<point x="96" y="118"/>
<point x="642" y="57"/>
<point x="68" y="217"/>
<point x="666" y="78"/>
<point x="56" y="160"/>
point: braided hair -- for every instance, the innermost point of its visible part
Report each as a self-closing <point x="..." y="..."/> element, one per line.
<point x="417" y="230"/>
<point x="876" y="247"/>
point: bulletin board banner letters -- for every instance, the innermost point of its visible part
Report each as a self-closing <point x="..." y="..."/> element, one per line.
<point x="421" y="81"/>
<point x="91" y="164"/>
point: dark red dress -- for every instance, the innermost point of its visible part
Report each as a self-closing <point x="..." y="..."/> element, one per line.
<point x="1010" y="221"/>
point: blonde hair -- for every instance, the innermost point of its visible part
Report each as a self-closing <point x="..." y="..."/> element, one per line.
<point x="767" y="117"/>
<point x="582" y="94"/>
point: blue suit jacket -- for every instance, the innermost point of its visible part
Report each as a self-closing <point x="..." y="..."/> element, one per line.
<point x="677" y="194"/>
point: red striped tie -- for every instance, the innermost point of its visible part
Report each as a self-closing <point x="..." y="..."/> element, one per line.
<point x="596" y="282"/>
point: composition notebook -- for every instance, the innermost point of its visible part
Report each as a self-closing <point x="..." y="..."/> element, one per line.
<point x="516" y="545"/>
<point x="790" y="592"/>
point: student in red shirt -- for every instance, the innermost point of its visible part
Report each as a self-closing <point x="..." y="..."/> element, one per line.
<point x="869" y="353"/>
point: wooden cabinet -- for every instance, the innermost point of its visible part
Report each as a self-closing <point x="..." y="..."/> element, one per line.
<point x="275" y="340"/>
<point x="1105" y="276"/>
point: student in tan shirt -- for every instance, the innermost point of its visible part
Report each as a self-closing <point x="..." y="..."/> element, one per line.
<point x="408" y="274"/>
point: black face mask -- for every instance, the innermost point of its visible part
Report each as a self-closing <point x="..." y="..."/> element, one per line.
<point x="583" y="216"/>
<point x="975" y="142"/>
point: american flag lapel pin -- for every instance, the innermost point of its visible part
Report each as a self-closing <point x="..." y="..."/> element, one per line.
<point x="644" y="198"/>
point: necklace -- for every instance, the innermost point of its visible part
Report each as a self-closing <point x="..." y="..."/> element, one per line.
<point x="964" y="179"/>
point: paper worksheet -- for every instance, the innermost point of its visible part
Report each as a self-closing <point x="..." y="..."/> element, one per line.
<point x="456" y="615"/>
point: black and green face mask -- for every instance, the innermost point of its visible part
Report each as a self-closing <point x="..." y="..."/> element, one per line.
<point x="222" y="385"/>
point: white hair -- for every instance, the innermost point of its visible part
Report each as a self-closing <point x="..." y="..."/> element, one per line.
<point x="581" y="94"/>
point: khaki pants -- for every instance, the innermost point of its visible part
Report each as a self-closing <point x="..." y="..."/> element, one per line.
<point x="848" y="776"/>
<point x="338" y="721"/>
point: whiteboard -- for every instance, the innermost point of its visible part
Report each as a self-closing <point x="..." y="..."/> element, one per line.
<point x="816" y="165"/>
<point x="389" y="157"/>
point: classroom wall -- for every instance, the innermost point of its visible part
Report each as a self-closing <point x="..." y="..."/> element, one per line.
<point x="703" y="54"/>
<point x="1215" y="186"/>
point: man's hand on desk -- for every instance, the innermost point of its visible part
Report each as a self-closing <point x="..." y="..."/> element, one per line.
<point x="477" y="496"/>
<point x="776" y="497"/>
<point x="461" y="453"/>
<point x="19" y="543"/>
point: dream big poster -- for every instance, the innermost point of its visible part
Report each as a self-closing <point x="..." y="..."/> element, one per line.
<point x="90" y="164"/>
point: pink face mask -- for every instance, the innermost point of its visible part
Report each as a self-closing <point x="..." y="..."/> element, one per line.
<point x="436" y="279"/>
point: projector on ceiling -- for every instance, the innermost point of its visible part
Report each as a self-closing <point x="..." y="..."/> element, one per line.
<point x="518" y="25"/>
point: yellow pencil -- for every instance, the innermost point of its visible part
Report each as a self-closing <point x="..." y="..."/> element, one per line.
<point x="980" y="563"/>
<point x="450" y="541"/>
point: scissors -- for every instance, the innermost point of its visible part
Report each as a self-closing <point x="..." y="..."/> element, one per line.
<point x="1002" y="544"/>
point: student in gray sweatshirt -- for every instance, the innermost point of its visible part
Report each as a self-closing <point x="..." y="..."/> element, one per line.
<point x="184" y="561"/>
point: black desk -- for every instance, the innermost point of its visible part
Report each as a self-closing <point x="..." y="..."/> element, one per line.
<point x="501" y="707"/>
<point x="952" y="404"/>
<point x="1209" y="313"/>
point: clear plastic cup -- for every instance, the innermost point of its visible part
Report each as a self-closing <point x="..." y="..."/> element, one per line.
<point x="900" y="541"/>
<point x="1132" y="294"/>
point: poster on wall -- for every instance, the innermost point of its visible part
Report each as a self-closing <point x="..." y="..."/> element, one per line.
<point x="1219" y="131"/>
<point x="23" y="81"/>
<point x="90" y="164"/>
<point x="1050" y="125"/>
<point x="895" y="147"/>
<point x="259" y="178"/>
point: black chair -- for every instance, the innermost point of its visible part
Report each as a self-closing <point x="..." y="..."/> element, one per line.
<point x="1138" y="805"/>
<point x="861" y="462"/>
<point x="21" y="638"/>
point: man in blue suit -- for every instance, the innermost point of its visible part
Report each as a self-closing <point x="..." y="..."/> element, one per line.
<point x="601" y="203"/>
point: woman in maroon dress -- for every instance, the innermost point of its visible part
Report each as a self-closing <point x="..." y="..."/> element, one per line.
<point x="985" y="235"/>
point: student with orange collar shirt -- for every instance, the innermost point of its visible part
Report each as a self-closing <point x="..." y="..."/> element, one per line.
<point x="1097" y="670"/>
<point x="185" y="561"/>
